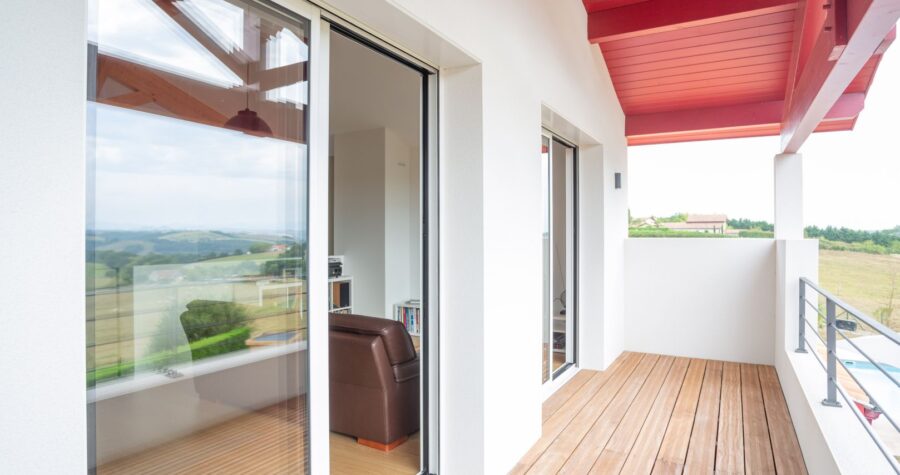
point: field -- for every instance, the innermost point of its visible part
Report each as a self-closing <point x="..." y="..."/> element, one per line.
<point x="865" y="281"/>
<point x="261" y="256"/>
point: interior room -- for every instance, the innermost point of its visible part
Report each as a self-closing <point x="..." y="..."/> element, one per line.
<point x="375" y="266"/>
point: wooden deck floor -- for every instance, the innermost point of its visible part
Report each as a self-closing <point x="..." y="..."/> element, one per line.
<point x="667" y="415"/>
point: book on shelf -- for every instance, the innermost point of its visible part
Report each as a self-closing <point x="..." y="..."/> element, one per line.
<point x="409" y="313"/>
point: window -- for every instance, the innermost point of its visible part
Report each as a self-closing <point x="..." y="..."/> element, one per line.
<point x="196" y="233"/>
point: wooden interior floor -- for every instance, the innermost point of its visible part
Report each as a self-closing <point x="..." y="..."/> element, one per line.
<point x="667" y="415"/>
<point x="350" y="458"/>
<point x="270" y="441"/>
<point x="559" y="359"/>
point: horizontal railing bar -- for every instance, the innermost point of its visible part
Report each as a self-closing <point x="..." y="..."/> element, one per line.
<point x="816" y="309"/>
<point x="816" y="333"/>
<point x="890" y="334"/>
<point x="877" y="365"/>
<point x="819" y="360"/>
<point x="871" y="399"/>
<point x="860" y="417"/>
<point x="862" y="420"/>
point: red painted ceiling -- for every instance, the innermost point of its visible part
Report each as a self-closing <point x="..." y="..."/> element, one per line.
<point x="711" y="69"/>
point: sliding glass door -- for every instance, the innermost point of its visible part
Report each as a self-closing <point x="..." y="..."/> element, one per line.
<point x="558" y="165"/>
<point x="197" y="237"/>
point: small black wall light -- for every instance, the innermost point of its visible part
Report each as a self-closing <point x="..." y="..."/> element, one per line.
<point x="618" y="180"/>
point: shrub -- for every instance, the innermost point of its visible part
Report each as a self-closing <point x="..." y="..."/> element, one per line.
<point x="206" y="318"/>
<point x="227" y="342"/>
<point x="756" y="233"/>
<point x="233" y="340"/>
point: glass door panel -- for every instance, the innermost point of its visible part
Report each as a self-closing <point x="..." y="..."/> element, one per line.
<point x="559" y="181"/>
<point x="547" y="347"/>
<point x="197" y="226"/>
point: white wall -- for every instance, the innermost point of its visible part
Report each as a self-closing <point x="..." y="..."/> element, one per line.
<point x="42" y="150"/>
<point x="513" y="57"/>
<point x="537" y="55"/>
<point x="702" y="298"/>
<point x="501" y="61"/>
<point x="401" y="230"/>
<point x="359" y="215"/>
<point x="374" y="228"/>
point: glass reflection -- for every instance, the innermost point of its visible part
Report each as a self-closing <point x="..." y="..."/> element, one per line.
<point x="197" y="238"/>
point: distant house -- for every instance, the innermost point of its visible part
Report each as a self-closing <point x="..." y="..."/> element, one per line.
<point x="278" y="248"/>
<point x="704" y="223"/>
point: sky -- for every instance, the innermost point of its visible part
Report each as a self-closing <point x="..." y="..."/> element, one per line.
<point x="851" y="179"/>
<point x="155" y="172"/>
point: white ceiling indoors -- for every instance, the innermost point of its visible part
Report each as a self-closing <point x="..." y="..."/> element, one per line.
<point x="370" y="90"/>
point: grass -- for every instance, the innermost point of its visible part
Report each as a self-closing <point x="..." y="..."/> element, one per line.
<point x="222" y="343"/>
<point x="246" y="257"/>
<point x="864" y="281"/>
<point x="99" y="276"/>
<point x="195" y="236"/>
<point x="669" y="233"/>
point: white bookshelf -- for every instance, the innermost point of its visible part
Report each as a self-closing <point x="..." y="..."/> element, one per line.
<point x="409" y="313"/>
<point x="340" y="294"/>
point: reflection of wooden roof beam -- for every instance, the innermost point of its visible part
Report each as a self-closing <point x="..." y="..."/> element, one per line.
<point x="232" y="61"/>
<point x="632" y="19"/>
<point x="854" y="31"/>
<point x="283" y="76"/>
<point x="147" y="83"/>
<point x="131" y="99"/>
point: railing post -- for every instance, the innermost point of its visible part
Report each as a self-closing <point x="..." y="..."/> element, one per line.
<point x="801" y="340"/>
<point x="831" y="347"/>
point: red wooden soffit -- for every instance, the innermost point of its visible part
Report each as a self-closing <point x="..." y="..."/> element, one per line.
<point x="763" y="118"/>
<point x="853" y="31"/>
<point x="656" y="16"/>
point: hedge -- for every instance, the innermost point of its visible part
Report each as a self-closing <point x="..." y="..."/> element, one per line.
<point x="222" y="343"/>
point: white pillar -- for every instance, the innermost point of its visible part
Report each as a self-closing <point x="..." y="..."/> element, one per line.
<point x="789" y="196"/>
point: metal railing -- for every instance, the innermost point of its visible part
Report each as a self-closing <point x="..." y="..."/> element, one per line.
<point x="835" y="326"/>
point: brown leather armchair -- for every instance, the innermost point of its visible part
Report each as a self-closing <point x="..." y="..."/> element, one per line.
<point x="374" y="380"/>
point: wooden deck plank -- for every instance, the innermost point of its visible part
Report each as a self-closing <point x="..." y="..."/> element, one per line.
<point x="676" y="415"/>
<point x="556" y="423"/>
<point x="785" y="447"/>
<point x="616" y="451"/>
<point x="556" y="401"/>
<point x="673" y="451"/>
<point x="643" y="453"/>
<point x="559" y="451"/>
<point x="730" y="443"/>
<point x="758" y="457"/>
<point x="593" y="442"/>
<point x="702" y="448"/>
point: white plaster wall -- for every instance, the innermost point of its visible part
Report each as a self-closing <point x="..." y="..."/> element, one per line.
<point x="536" y="54"/>
<point x="359" y="215"/>
<point x="508" y="57"/>
<point x="374" y="228"/>
<point x="702" y="298"/>
<point x="462" y="331"/>
<point x="399" y="254"/>
<point x="42" y="146"/>
<point x="528" y="53"/>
